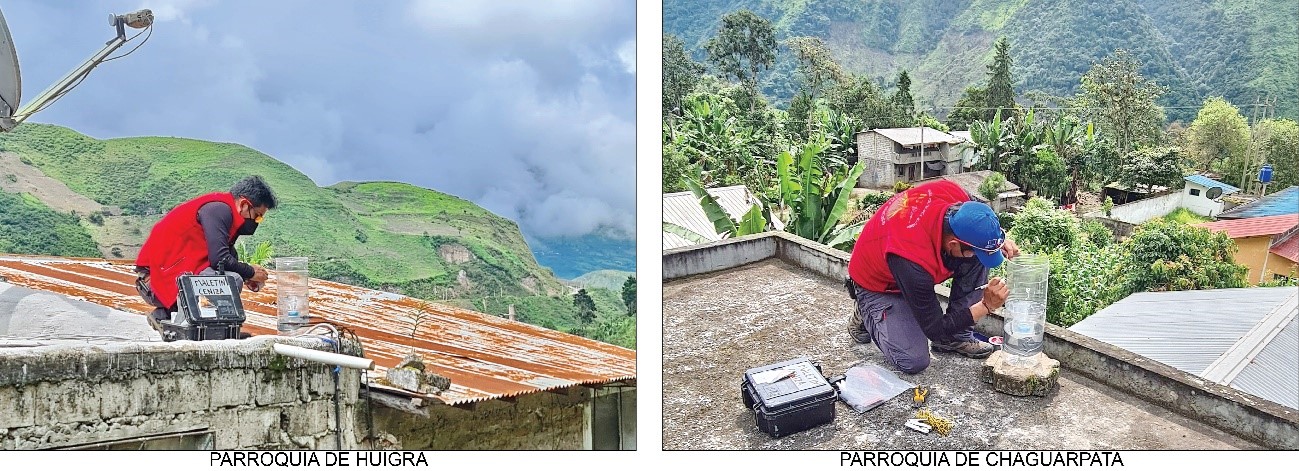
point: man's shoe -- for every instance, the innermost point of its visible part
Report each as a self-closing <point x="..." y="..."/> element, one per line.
<point x="855" y="328"/>
<point x="155" y="323"/>
<point x="968" y="348"/>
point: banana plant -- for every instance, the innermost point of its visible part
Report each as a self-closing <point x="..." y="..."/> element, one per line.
<point x="814" y="200"/>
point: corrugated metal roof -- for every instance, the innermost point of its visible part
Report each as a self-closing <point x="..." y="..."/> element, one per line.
<point x="1231" y="338"/>
<point x="683" y="210"/>
<point x="1287" y="247"/>
<point x="1253" y="227"/>
<point x="1274" y="373"/>
<point x="486" y="357"/>
<point x="1282" y="202"/>
<point x="911" y="136"/>
<point x="1210" y="183"/>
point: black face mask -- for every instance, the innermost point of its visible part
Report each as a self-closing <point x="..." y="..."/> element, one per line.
<point x="249" y="227"/>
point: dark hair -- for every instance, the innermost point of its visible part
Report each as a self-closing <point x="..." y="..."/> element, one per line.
<point x="947" y="228"/>
<point x="255" y="189"/>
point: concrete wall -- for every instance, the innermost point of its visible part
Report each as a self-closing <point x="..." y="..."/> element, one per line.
<point x="1138" y="212"/>
<point x="559" y="420"/>
<point x="1248" y="416"/>
<point x="227" y="394"/>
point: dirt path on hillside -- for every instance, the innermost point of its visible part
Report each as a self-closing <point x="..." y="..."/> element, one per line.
<point x="17" y="177"/>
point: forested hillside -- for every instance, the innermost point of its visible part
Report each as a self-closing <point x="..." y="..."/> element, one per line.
<point x="1245" y="50"/>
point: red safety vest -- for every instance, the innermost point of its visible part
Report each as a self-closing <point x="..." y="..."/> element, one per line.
<point x="176" y="245"/>
<point x="910" y="224"/>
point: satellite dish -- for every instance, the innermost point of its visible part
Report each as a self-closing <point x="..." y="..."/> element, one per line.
<point x="11" y="87"/>
<point x="1213" y="193"/>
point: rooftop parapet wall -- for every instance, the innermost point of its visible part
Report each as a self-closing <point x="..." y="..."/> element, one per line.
<point x="237" y="393"/>
<point x="1239" y="413"/>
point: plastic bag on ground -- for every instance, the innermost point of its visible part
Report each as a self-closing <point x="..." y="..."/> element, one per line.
<point x="866" y="386"/>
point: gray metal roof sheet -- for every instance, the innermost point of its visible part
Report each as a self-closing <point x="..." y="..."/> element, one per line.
<point x="1244" y="337"/>
<point x="912" y="136"/>
<point x="1274" y="372"/>
<point x="683" y="210"/>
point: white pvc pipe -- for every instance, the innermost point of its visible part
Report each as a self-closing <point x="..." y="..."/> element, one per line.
<point x="346" y="361"/>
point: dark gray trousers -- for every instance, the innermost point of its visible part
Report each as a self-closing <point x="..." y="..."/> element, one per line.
<point x="894" y="329"/>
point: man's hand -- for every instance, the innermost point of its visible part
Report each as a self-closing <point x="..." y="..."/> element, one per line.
<point x="994" y="296"/>
<point x="259" y="275"/>
<point x="1009" y="249"/>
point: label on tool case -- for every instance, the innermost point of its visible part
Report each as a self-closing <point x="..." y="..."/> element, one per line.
<point x="805" y="376"/>
<point x="211" y="286"/>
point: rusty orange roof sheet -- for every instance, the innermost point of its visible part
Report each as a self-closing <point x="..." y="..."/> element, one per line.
<point x="484" y="356"/>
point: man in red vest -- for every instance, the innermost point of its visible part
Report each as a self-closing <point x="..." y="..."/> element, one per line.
<point x="198" y="237"/>
<point x="919" y="238"/>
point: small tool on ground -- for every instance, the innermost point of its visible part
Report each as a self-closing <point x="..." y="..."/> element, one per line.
<point x="918" y="394"/>
<point x="940" y="424"/>
<point x="919" y="426"/>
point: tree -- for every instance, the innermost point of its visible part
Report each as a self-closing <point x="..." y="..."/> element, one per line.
<point x="1041" y="228"/>
<point x="1072" y="142"/>
<point x="585" y="306"/>
<point x="968" y="109"/>
<point x="1151" y="167"/>
<point x="629" y="294"/>
<point x="259" y="255"/>
<point x="991" y="186"/>
<point x="1121" y="102"/>
<point x="1219" y="139"/>
<point x="680" y="74"/>
<point x="1000" y="91"/>
<point x="816" y="65"/>
<point x="1277" y="141"/>
<point x="744" y="46"/>
<point x="1164" y="255"/>
<point x="903" y="104"/>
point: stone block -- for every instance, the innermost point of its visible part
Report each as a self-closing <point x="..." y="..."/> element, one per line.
<point x="183" y="392"/>
<point x="66" y="401"/>
<point x="277" y="386"/>
<point x="312" y="418"/>
<point x="258" y="427"/>
<point x="232" y="387"/>
<point x="225" y="429"/>
<point x="1037" y="380"/>
<point x="17" y="407"/>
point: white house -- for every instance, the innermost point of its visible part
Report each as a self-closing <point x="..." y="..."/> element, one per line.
<point x="1203" y="195"/>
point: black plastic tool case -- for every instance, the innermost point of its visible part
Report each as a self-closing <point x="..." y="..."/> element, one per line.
<point x="208" y="308"/>
<point x="793" y="404"/>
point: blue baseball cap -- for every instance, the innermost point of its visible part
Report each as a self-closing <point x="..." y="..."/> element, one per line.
<point x="977" y="226"/>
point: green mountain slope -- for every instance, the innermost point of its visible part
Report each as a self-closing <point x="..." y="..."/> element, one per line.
<point x="383" y="235"/>
<point x="1242" y="49"/>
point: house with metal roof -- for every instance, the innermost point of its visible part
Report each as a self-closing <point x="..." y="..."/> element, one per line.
<point x="906" y="155"/>
<point x="1008" y="196"/>
<point x="1245" y="338"/>
<point x="512" y="385"/>
<point x="1203" y="195"/>
<point x="683" y="210"/>
<point x="1282" y="202"/>
<point x="1265" y="244"/>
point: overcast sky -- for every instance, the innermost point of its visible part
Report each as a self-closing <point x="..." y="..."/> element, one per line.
<point x="524" y="107"/>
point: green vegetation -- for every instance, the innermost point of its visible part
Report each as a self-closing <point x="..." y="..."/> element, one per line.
<point x="389" y="236"/>
<point x="1185" y="216"/>
<point x="29" y="227"/>
<point x="1244" y="49"/>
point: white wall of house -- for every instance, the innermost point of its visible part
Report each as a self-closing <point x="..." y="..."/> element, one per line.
<point x="1195" y="199"/>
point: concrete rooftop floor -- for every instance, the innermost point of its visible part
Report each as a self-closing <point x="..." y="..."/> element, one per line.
<point x="717" y="325"/>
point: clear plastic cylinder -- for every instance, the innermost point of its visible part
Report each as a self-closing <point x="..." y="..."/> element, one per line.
<point x="1026" y="276"/>
<point x="291" y="293"/>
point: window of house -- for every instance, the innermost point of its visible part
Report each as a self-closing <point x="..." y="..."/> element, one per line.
<point x="1280" y="278"/>
<point x="902" y="170"/>
<point x="1195" y="192"/>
